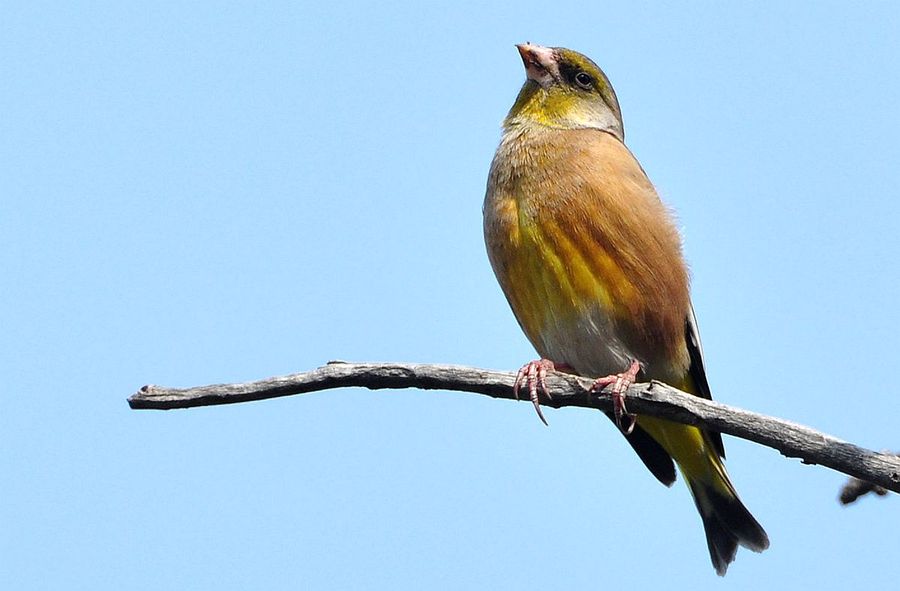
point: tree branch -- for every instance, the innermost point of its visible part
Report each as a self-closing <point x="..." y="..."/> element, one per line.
<point x="654" y="399"/>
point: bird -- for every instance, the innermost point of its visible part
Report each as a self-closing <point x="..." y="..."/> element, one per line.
<point x="590" y="260"/>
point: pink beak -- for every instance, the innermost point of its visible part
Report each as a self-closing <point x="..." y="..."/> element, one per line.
<point x="540" y="62"/>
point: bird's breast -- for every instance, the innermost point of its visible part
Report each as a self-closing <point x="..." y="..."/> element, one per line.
<point x="573" y="278"/>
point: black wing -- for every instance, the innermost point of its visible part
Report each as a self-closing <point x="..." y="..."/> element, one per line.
<point x="657" y="460"/>
<point x="698" y="373"/>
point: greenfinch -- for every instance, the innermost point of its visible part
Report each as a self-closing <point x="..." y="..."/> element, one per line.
<point x="590" y="261"/>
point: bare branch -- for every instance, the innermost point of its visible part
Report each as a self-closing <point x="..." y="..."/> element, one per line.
<point x="654" y="399"/>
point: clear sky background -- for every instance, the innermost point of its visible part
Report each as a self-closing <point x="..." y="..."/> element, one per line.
<point x="212" y="192"/>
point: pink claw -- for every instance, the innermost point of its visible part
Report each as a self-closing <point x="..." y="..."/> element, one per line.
<point x="620" y="383"/>
<point x="534" y="374"/>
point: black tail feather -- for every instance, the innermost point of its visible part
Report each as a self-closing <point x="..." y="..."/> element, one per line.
<point x="728" y="524"/>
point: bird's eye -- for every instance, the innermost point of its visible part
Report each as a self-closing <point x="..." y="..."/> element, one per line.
<point x="584" y="80"/>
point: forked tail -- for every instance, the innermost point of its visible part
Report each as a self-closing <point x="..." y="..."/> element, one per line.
<point x="727" y="522"/>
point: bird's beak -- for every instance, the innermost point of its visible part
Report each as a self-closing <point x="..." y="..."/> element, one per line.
<point x="540" y="62"/>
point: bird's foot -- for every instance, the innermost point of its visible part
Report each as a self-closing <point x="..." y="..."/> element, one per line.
<point x="620" y="383"/>
<point x="534" y="375"/>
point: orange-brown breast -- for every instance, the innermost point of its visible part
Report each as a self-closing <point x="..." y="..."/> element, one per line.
<point x="586" y="253"/>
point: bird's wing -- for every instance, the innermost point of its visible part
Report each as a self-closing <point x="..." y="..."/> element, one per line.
<point x="654" y="456"/>
<point x="698" y="372"/>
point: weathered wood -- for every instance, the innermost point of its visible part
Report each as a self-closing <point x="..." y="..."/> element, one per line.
<point x="655" y="399"/>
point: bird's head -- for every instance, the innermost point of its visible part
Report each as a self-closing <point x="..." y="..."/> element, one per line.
<point x="566" y="90"/>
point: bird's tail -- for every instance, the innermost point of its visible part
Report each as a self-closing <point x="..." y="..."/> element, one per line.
<point x="726" y="520"/>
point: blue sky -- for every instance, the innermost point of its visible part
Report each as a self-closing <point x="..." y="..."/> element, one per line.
<point x="210" y="193"/>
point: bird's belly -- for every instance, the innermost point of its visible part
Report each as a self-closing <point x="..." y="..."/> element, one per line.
<point x="567" y="308"/>
<point x="587" y="341"/>
<point x="569" y="298"/>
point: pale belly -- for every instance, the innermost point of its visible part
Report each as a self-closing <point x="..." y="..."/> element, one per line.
<point x="586" y="341"/>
